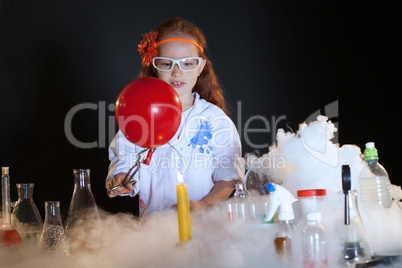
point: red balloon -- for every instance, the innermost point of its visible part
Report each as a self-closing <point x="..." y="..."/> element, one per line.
<point x="148" y="112"/>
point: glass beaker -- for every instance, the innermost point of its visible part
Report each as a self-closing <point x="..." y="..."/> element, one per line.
<point x="53" y="239"/>
<point x="25" y="216"/>
<point x="353" y="244"/>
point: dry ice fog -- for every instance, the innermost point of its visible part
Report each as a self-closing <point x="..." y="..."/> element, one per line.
<point x="306" y="159"/>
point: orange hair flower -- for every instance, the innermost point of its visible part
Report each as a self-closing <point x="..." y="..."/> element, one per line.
<point x="147" y="47"/>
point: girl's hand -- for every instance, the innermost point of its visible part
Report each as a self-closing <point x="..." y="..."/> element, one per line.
<point x="197" y="206"/>
<point x="115" y="181"/>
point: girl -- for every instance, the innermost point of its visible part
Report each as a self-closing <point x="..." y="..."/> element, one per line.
<point x="206" y="148"/>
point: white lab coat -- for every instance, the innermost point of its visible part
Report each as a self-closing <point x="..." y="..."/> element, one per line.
<point x="205" y="148"/>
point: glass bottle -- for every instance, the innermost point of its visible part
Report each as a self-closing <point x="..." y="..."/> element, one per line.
<point x="81" y="226"/>
<point x="353" y="243"/>
<point x="9" y="237"/>
<point x="242" y="202"/>
<point x="53" y="239"/>
<point x="25" y="216"/>
<point x="314" y="242"/>
<point x="374" y="180"/>
<point x="241" y="192"/>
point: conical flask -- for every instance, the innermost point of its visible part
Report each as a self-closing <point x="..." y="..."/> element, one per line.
<point x="241" y="193"/>
<point x="353" y="244"/>
<point x="81" y="228"/>
<point x="256" y="182"/>
<point x="53" y="239"/>
<point x="83" y="205"/>
<point x="25" y="216"/>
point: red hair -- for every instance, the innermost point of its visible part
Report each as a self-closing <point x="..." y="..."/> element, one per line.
<point x="207" y="85"/>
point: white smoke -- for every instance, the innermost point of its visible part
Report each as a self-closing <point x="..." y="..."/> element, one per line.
<point x="303" y="160"/>
<point x="121" y="241"/>
<point x="308" y="159"/>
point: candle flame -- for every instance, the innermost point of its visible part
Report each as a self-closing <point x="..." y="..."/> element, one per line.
<point x="179" y="177"/>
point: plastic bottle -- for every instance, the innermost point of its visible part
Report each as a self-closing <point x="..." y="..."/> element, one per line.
<point x="25" y="216"/>
<point x="9" y="237"/>
<point x="315" y="253"/>
<point x="282" y="198"/>
<point x="374" y="180"/>
<point x="283" y="238"/>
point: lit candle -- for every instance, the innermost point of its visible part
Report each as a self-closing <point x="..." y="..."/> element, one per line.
<point x="183" y="210"/>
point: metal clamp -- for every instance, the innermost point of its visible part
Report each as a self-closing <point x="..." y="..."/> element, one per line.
<point x="128" y="179"/>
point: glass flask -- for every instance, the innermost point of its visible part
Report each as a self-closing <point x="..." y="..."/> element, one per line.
<point x="353" y="243"/>
<point x="81" y="228"/>
<point x="241" y="192"/>
<point x="256" y="182"/>
<point x="242" y="202"/>
<point x="53" y="239"/>
<point x="9" y="237"/>
<point x="25" y="217"/>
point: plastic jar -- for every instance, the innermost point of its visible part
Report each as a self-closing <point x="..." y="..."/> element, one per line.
<point x="311" y="200"/>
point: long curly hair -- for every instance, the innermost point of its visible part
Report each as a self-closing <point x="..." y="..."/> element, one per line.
<point x="207" y="85"/>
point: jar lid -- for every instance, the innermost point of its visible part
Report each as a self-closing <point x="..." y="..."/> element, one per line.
<point x="311" y="192"/>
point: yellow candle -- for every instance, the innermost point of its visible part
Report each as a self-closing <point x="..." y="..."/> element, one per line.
<point x="183" y="210"/>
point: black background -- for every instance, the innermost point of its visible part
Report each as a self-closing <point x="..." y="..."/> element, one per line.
<point x="273" y="58"/>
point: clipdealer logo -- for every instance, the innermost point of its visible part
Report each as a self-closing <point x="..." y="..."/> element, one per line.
<point x="107" y="128"/>
<point x="106" y="125"/>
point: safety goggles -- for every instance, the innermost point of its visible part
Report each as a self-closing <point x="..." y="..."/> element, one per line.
<point x="185" y="64"/>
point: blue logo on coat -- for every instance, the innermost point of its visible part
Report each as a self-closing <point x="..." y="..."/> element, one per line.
<point x="203" y="136"/>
